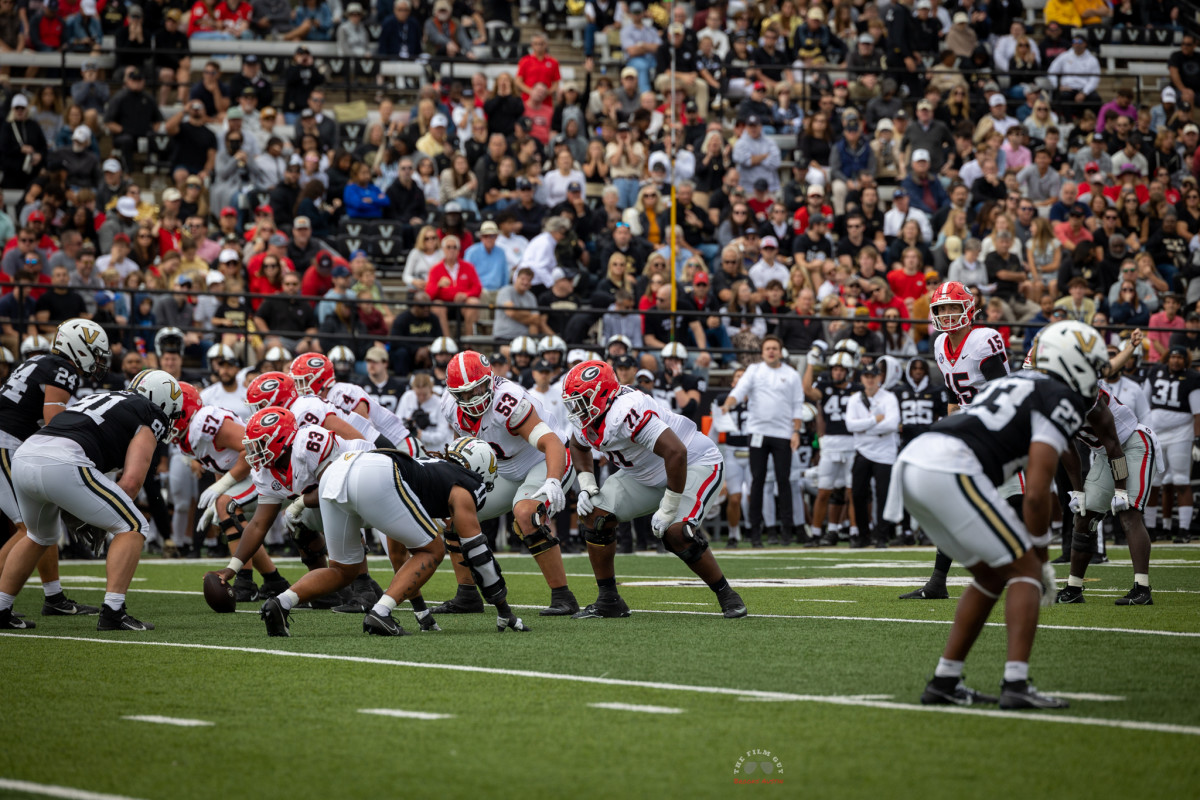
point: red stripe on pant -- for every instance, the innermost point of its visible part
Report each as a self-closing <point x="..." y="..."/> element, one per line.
<point x="701" y="492"/>
<point x="1143" y="487"/>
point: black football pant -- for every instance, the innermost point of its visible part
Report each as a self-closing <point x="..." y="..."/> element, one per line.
<point x="780" y="451"/>
<point x="861" y="474"/>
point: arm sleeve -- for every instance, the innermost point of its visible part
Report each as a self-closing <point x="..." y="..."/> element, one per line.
<point x="994" y="367"/>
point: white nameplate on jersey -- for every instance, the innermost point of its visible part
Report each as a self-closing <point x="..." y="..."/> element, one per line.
<point x="756" y="440"/>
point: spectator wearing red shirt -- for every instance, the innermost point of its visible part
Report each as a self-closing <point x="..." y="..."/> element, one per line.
<point x="539" y="111"/>
<point x="453" y="280"/>
<point x="538" y="67"/>
<point x="814" y="205"/>
<point x="48" y="29"/>
<point x="234" y="17"/>
<point x="203" y="19"/>
<point x="1159" y="341"/>
<point x="908" y="282"/>
<point x="266" y="276"/>
<point x="318" y="278"/>
<point x="884" y="297"/>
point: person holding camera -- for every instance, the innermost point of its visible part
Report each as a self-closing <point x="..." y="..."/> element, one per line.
<point x="420" y="410"/>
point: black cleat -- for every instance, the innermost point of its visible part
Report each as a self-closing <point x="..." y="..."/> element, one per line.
<point x="245" y="590"/>
<point x="428" y="623"/>
<point x="562" y="604"/>
<point x="732" y="544"/>
<point x="276" y="618"/>
<point x="1070" y="594"/>
<point x="604" y="609"/>
<point x="731" y="603"/>
<point x="1016" y="695"/>
<point x="462" y="603"/>
<point x="1182" y="538"/>
<point x="859" y="542"/>
<point x="382" y="625"/>
<point x="1138" y="596"/>
<point x="11" y="622"/>
<point x="830" y="539"/>
<point x="953" y="692"/>
<point x="355" y="606"/>
<point x="1065" y="558"/>
<point x="1099" y="558"/>
<point x="903" y="541"/>
<point x="511" y="621"/>
<point x="927" y="592"/>
<point x="274" y="588"/>
<point x="331" y="600"/>
<point x="60" y="605"/>
<point x="120" y="621"/>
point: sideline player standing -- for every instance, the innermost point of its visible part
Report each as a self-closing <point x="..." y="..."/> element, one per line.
<point x="968" y="358"/>
<point x="831" y="393"/>
<point x="776" y="402"/>
<point x="949" y="481"/>
<point x="665" y="467"/>
<point x="1173" y="390"/>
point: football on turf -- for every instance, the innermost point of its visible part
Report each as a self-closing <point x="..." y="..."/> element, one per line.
<point x="219" y="594"/>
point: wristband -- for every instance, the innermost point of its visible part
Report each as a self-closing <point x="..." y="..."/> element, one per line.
<point x="587" y="482"/>
<point x="223" y="485"/>
<point x="535" y="435"/>
<point x="670" y="502"/>
<point x="296" y="508"/>
<point x="1120" y="471"/>
<point x="235" y="564"/>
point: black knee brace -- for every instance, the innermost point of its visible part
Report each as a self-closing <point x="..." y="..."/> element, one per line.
<point x="480" y="560"/>
<point x="838" y="497"/>
<point x="231" y="527"/>
<point x="599" y="535"/>
<point x="453" y="543"/>
<point x="1086" y="541"/>
<point x="311" y="546"/>
<point x="541" y="539"/>
<point x="697" y="544"/>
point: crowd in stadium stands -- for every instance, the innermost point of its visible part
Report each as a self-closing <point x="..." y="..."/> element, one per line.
<point x="831" y="161"/>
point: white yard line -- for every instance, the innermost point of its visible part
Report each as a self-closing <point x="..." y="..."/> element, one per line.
<point x="49" y="790"/>
<point x="641" y="709"/>
<point x="397" y="712"/>
<point x="816" y="600"/>
<point x="179" y="722"/>
<point x="1157" y="727"/>
<point x="1095" y="698"/>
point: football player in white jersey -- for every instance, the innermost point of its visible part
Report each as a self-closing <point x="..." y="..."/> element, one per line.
<point x="968" y="358"/>
<point x="227" y="392"/>
<point x="535" y="473"/>
<point x="1122" y="386"/>
<point x="213" y="437"/>
<point x="278" y="389"/>
<point x="665" y="467"/>
<point x="1123" y="463"/>
<point x="313" y="374"/>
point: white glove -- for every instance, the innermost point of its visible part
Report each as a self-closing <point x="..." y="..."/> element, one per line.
<point x="1120" y="501"/>
<point x="665" y="516"/>
<point x="1196" y="450"/>
<point x="206" y="518"/>
<point x="588" y="488"/>
<point x="810" y="475"/>
<point x="210" y="495"/>
<point x="291" y="517"/>
<point x="1076" y="504"/>
<point x="1049" y="584"/>
<point x="553" y="492"/>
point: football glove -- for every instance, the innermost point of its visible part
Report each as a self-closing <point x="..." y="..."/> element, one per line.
<point x="664" y="517"/>
<point x="553" y="492"/>
<point x="1120" y="501"/>
<point x="206" y="517"/>
<point x="1076" y="504"/>
<point x="1196" y="449"/>
<point x="588" y="488"/>
<point x="291" y="517"/>
<point x="1049" y="584"/>
<point x="219" y="487"/>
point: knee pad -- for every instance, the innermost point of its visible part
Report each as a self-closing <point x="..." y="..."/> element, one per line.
<point x="541" y="539"/>
<point x="599" y="535"/>
<point x="231" y="528"/>
<point x="453" y="543"/>
<point x="312" y="548"/>
<point x="1085" y="541"/>
<point x="481" y="561"/>
<point x="696" y="545"/>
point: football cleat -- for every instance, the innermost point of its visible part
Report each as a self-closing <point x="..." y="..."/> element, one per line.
<point x="1065" y="558"/>
<point x="120" y="621"/>
<point x="562" y="604"/>
<point x="927" y="592"/>
<point x="331" y="600"/>
<point x="273" y="588"/>
<point x="1015" y="695"/>
<point x="382" y="625"/>
<point x="511" y="621"/>
<point x="245" y="590"/>
<point x="276" y="618"/>
<point x="1138" y="596"/>
<point x="1099" y="558"/>
<point x="1070" y="594"/>
<point x="604" y="609"/>
<point x="731" y="603"/>
<point x="11" y="622"/>
<point x="953" y="692"/>
<point x="428" y="623"/>
<point x="60" y="605"/>
<point x="465" y="602"/>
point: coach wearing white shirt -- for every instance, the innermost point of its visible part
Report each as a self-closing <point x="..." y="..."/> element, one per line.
<point x="873" y="416"/>
<point x="776" y="398"/>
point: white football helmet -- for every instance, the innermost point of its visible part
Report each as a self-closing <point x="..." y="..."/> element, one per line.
<point x="808" y="413"/>
<point x="524" y="346"/>
<point x="7" y="356"/>
<point x="674" y="350"/>
<point x="816" y="354"/>
<point x="618" y="338"/>
<point x="551" y="343"/>
<point x="443" y="345"/>
<point x="220" y="352"/>
<point x="852" y="347"/>
<point x="1073" y="352"/>
<point x="577" y="356"/>
<point x="341" y="354"/>
<point x="475" y="455"/>
<point x="34" y="346"/>
<point x="84" y="344"/>
<point x="842" y="359"/>
<point x="168" y="340"/>
<point x="160" y="389"/>
<point x="278" y="354"/>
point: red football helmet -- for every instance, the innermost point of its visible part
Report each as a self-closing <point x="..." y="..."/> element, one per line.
<point x="269" y="435"/>
<point x="943" y="315"/>
<point x="312" y="373"/>
<point x="191" y="404"/>
<point x="469" y="378"/>
<point x="271" y="389"/>
<point x="588" y="391"/>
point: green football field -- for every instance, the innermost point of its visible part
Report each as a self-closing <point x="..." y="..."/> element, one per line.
<point x="816" y="692"/>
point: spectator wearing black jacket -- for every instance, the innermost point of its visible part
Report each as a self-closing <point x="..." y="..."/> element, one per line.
<point x="298" y="82"/>
<point x="420" y="325"/>
<point x="286" y="194"/>
<point x="401" y="32"/>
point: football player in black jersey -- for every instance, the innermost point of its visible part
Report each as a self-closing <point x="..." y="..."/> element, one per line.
<point x="34" y="394"/>
<point x="680" y="389"/>
<point x="384" y="388"/>
<point x="921" y="405"/>
<point x="831" y="393"/>
<point x="1173" y="389"/>
<point x="949" y="480"/>
<point x="58" y="476"/>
